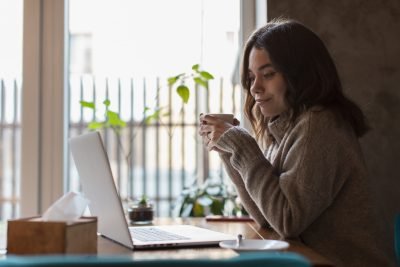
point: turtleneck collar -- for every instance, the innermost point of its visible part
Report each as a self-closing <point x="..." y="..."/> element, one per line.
<point x="277" y="126"/>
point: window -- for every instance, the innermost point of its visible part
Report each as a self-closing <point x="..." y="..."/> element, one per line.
<point x="10" y="93"/>
<point x="124" y="52"/>
<point x="51" y="114"/>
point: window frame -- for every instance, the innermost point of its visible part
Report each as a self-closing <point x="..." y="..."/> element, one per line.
<point x="44" y="79"/>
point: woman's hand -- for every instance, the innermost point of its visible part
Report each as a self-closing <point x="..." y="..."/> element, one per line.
<point x="211" y="129"/>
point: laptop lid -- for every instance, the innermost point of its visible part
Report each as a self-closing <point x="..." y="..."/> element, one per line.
<point x="95" y="174"/>
<point x="98" y="185"/>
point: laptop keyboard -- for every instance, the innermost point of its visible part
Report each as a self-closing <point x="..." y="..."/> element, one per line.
<point x="154" y="234"/>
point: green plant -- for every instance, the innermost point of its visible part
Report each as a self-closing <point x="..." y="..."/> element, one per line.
<point x="112" y="120"/>
<point x="199" y="77"/>
<point x="210" y="198"/>
<point x="213" y="197"/>
<point x="143" y="201"/>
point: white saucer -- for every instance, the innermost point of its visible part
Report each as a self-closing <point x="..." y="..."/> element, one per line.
<point x="254" y="245"/>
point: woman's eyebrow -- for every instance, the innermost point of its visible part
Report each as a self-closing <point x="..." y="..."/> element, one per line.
<point x="267" y="65"/>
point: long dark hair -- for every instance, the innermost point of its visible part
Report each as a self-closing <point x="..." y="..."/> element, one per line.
<point x="309" y="72"/>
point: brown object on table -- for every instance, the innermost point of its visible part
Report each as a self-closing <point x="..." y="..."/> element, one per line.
<point x="34" y="236"/>
<point x="218" y="218"/>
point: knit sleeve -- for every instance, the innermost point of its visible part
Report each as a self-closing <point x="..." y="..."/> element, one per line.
<point x="293" y="197"/>
<point x="237" y="180"/>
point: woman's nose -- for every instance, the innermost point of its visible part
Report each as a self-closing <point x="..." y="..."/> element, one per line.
<point x="256" y="87"/>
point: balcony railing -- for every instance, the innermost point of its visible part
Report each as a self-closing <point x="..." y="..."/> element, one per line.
<point x="156" y="159"/>
<point x="10" y="144"/>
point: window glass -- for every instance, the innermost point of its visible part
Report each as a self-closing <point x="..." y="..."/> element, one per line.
<point x="152" y="37"/>
<point x="10" y="95"/>
<point x="124" y="51"/>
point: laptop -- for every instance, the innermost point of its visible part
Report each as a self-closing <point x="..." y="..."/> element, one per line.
<point x="98" y="186"/>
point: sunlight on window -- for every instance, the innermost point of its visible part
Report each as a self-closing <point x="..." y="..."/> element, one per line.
<point x="11" y="41"/>
<point x="124" y="51"/>
<point x="153" y="37"/>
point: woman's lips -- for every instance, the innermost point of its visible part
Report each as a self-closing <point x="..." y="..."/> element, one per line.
<point x="262" y="101"/>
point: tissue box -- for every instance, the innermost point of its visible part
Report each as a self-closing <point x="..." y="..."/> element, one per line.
<point x="34" y="236"/>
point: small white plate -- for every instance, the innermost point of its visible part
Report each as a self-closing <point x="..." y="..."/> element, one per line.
<point x="254" y="245"/>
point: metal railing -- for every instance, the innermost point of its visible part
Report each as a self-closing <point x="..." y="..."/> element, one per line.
<point x="164" y="156"/>
<point x="10" y="143"/>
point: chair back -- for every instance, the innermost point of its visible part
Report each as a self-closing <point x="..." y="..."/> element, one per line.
<point x="259" y="259"/>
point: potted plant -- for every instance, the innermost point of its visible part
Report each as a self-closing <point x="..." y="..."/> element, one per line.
<point x="213" y="197"/>
<point x="141" y="211"/>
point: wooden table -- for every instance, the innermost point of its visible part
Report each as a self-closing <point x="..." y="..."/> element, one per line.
<point x="249" y="230"/>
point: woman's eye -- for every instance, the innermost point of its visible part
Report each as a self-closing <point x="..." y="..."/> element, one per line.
<point x="269" y="74"/>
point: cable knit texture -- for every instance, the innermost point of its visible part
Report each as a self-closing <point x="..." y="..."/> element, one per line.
<point x="311" y="184"/>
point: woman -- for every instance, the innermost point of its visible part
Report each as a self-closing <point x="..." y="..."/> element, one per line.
<point x="311" y="182"/>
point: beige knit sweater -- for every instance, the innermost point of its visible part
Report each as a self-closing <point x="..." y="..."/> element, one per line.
<point x="311" y="184"/>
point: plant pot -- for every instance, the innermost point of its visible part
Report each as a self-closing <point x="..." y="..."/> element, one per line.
<point x="141" y="213"/>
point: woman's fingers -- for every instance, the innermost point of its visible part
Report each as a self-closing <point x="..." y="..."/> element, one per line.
<point x="206" y="128"/>
<point x="211" y="128"/>
<point x="209" y="119"/>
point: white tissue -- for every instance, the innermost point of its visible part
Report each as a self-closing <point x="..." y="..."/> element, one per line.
<point x="69" y="207"/>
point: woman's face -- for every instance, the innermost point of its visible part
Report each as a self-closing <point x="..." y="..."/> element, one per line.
<point x="267" y="86"/>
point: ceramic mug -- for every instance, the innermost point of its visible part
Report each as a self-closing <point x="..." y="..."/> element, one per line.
<point x="223" y="116"/>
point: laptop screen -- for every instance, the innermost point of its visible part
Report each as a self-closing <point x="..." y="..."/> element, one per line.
<point x="98" y="185"/>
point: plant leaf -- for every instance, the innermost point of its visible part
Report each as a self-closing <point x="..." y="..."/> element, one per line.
<point x="153" y="117"/>
<point x="201" y="82"/>
<point x="198" y="210"/>
<point x="217" y="206"/>
<point x="94" y="125"/>
<point x="174" y="79"/>
<point x="86" y="104"/>
<point x="143" y="200"/>
<point x="107" y="102"/>
<point x="206" y="75"/>
<point x="183" y="92"/>
<point x="114" y="120"/>
<point x="195" y="67"/>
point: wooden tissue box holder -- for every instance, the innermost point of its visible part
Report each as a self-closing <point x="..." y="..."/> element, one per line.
<point x="34" y="236"/>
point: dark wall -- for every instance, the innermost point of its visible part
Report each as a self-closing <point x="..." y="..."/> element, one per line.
<point x="363" y="36"/>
